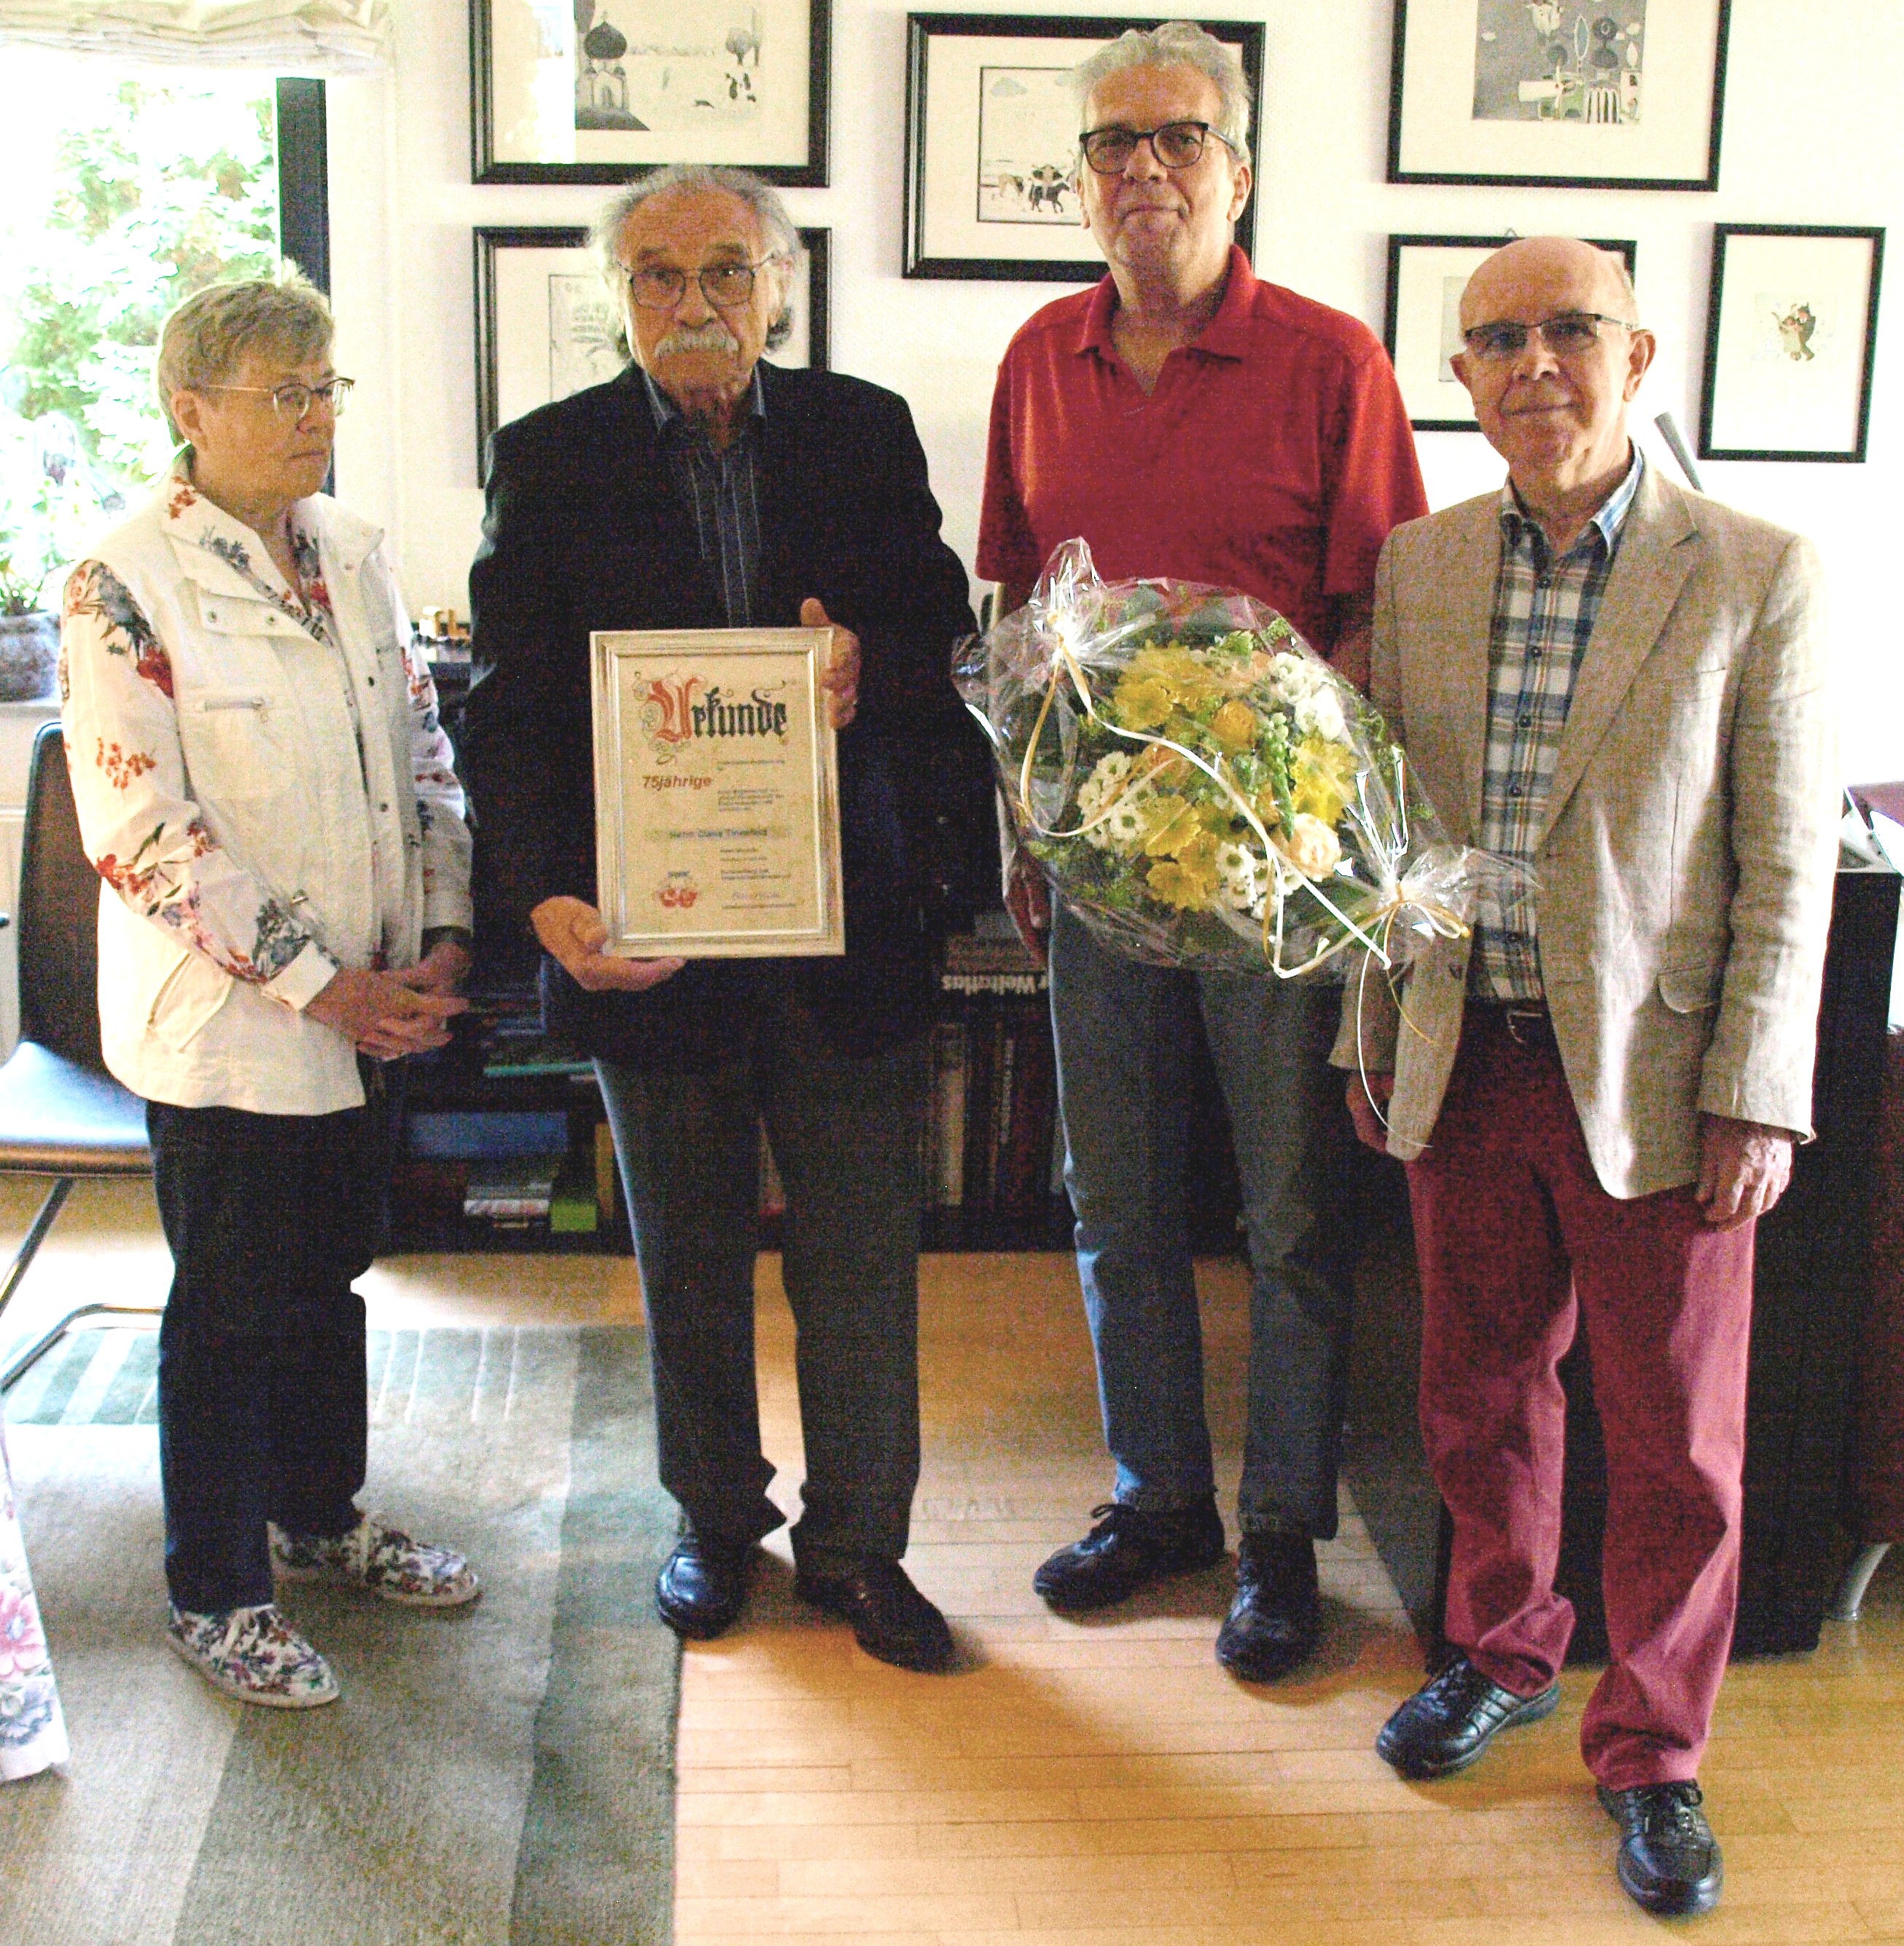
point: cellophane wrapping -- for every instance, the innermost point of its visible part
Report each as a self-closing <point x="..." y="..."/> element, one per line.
<point x="1202" y="790"/>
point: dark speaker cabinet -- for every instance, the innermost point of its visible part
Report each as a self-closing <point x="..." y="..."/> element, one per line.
<point x="1812" y="1285"/>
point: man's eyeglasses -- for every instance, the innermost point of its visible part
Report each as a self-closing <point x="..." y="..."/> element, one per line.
<point x="725" y="286"/>
<point x="1176" y="145"/>
<point x="294" y="401"/>
<point x="1572" y="335"/>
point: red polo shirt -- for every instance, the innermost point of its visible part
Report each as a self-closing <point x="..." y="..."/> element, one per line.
<point x="1274" y="457"/>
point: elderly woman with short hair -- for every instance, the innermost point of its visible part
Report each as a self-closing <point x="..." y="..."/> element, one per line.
<point x="264" y="786"/>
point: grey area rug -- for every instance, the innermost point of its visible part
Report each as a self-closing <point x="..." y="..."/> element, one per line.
<point x="501" y="1775"/>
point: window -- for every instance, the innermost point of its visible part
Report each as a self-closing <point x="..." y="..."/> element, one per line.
<point x="127" y="190"/>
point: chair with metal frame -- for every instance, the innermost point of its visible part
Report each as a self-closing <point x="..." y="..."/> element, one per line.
<point x="61" y="1114"/>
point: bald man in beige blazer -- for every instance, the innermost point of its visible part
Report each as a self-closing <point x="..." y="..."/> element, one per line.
<point x="1624" y="686"/>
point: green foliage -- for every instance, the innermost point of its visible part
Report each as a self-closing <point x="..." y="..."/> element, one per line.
<point x="155" y="191"/>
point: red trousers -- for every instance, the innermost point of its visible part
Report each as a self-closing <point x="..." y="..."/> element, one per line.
<point x="1520" y="1246"/>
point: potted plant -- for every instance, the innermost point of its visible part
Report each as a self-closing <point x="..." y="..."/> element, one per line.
<point x="30" y="634"/>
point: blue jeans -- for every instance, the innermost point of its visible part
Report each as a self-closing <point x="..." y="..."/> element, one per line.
<point x="1126" y="1035"/>
<point x="845" y="1134"/>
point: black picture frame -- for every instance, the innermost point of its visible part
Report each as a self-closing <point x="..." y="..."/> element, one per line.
<point x="1731" y="357"/>
<point x="1403" y="356"/>
<point x="1083" y="265"/>
<point x="490" y="243"/>
<point x="488" y="166"/>
<point x="1697" y="160"/>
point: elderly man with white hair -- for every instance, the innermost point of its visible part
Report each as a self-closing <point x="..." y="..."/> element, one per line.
<point x="705" y="488"/>
<point x="1625" y="686"/>
<point x="1188" y="419"/>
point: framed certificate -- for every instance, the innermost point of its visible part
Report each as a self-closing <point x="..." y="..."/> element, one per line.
<point x="717" y="794"/>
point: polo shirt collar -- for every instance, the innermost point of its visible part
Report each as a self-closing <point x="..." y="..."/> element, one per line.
<point x="1515" y="520"/>
<point x="1226" y="335"/>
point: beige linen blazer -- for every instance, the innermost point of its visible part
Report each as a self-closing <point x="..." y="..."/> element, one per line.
<point x="1685" y="866"/>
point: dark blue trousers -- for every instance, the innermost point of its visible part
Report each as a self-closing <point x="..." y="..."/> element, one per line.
<point x="261" y="1379"/>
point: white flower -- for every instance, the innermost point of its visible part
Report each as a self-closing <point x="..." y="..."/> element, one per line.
<point x="1106" y="780"/>
<point x="1244" y="878"/>
<point x="1320" y="713"/>
<point x="1295" y="678"/>
<point x="1125" y="829"/>
<point x="1312" y="847"/>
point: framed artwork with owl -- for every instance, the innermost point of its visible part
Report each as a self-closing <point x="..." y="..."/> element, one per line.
<point x="1558" y="93"/>
<point x="1791" y="336"/>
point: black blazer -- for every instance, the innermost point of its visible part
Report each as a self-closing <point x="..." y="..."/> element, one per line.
<point x="584" y="530"/>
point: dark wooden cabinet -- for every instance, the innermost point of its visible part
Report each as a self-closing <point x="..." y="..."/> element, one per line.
<point x="1812" y="1286"/>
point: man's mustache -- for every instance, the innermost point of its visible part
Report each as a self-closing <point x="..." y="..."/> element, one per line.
<point x="712" y="336"/>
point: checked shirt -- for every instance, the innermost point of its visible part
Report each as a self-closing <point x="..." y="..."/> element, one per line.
<point x="1544" y="611"/>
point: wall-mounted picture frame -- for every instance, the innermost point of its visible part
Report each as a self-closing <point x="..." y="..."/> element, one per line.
<point x="1427" y="276"/>
<point x="1791" y="340"/>
<point x="992" y="143"/>
<point x="547" y="326"/>
<point x="1559" y="93"/>
<point x="605" y="90"/>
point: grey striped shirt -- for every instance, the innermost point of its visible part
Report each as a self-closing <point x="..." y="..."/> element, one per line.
<point x="721" y="490"/>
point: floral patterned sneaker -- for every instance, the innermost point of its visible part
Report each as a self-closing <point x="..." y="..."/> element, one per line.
<point x="254" y="1655"/>
<point x="376" y="1557"/>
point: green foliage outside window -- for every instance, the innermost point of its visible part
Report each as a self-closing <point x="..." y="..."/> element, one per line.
<point x="126" y="196"/>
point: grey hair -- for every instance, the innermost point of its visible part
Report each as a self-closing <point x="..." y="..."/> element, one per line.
<point x="1176" y="44"/>
<point x="778" y="229"/>
<point x="204" y="340"/>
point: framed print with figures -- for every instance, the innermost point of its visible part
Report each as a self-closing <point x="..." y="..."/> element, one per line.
<point x="992" y="143"/>
<point x="547" y="326"/>
<point x="1791" y="336"/>
<point x="717" y="794"/>
<point x="1427" y="276"/>
<point x="1558" y="93"/>
<point x="603" y="90"/>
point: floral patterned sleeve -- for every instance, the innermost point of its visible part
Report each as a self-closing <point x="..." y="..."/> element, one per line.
<point x="440" y="805"/>
<point x="142" y="831"/>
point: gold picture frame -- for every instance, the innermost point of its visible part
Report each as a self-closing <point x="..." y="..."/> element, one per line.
<point x="717" y="794"/>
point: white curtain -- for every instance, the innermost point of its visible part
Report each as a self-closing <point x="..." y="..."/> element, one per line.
<point x="301" y="37"/>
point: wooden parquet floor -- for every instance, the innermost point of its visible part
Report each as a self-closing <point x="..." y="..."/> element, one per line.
<point x="1101" y="1782"/>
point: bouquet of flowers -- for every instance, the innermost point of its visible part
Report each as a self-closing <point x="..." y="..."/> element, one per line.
<point x="1201" y="788"/>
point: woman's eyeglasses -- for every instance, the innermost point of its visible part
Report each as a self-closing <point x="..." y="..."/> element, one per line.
<point x="293" y="401"/>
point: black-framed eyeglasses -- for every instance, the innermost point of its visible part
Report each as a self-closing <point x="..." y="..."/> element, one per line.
<point x="725" y="286"/>
<point x="293" y="400"/>
<point x="1571" y="335"/>
<point x="1176" y="145"/>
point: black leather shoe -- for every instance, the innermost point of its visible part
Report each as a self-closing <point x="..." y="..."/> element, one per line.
<point x="1446" y="1724"/>
<point x="701" y="1586"/>
<point x="1669" y="1860"/>
<point x="891" y="1618"/>
<point x="1127" y="1549"/>
<point x="1276" y="1616"/>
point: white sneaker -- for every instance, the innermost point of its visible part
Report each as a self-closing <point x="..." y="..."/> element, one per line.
<point x="254" y="1655"/>
<point x="374" y="1556"/>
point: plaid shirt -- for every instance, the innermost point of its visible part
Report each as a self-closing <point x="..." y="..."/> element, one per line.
<point x="1544" y="615"/>
<point x="721" y="488"/>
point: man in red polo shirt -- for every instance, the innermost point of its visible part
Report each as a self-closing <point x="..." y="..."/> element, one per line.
<point x="1189" y="420"/>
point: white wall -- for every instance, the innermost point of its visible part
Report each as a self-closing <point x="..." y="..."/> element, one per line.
<point x="1810" y="91"/>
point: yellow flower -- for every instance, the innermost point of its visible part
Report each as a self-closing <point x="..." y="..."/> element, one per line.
<point x="1143" y="703"/>
<point x="1325" y="779"/>
<point x="1233" y="727"/>
<point x="1189" y="887"/>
